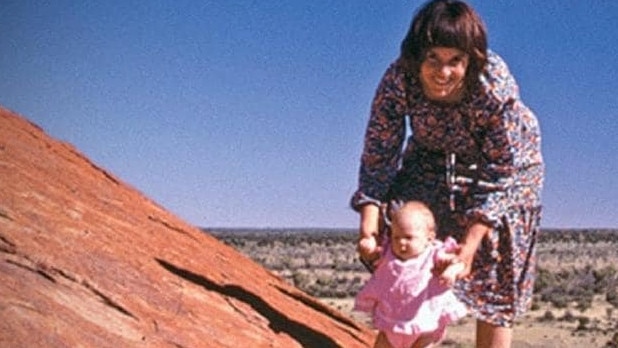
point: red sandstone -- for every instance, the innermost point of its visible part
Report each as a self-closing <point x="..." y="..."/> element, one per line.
<point x="88" y="261"/>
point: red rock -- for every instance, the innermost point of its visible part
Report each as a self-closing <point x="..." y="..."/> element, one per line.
<point x="88" y="261"/>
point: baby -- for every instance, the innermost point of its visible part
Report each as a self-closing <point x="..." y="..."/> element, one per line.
<point x="410" y="306"/>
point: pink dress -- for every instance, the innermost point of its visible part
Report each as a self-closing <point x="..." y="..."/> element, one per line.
<point x="406" y="300"/>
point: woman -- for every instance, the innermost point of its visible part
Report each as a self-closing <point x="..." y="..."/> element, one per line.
<point x="473" y="157"/>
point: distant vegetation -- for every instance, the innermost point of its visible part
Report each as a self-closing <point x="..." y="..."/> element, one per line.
<point x="579" y="235"/>
<point x="574" y="266"/>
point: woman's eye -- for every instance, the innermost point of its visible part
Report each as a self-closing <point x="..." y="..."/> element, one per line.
<point x="429" y="58"/>
<point x="457" y="61"/>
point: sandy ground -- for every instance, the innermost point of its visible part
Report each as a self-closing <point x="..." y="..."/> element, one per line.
<point x="536" y="329"/>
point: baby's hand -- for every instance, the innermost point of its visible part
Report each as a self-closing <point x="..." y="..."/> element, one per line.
<point x="448" y="264"/>
<point x="445" y="257"/>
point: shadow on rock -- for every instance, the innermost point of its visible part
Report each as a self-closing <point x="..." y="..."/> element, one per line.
<point x="278" y="322"/>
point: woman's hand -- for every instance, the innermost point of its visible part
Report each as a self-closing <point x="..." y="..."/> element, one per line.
<point x="447" y="265"/>
<point x="368" y="248"/>
<point x="475" y="234"/>
<point x="465" y="258"/>
<point x="455" y="270"/>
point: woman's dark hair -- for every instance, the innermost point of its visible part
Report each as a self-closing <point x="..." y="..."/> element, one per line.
<point x="446" y="23"/>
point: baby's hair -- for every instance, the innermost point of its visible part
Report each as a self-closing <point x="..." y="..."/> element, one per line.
<point x="411" y="208"/>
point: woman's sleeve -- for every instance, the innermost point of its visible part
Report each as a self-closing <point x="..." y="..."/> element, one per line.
<point x="384" y="139"/>
<point x="510" y="148"/>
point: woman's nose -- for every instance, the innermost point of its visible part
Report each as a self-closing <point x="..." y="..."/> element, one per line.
<point x="444" y="70"/>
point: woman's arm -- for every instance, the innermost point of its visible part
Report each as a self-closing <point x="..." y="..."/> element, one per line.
<point x="513" y="161"/>
<point x="384" y="138"/>
<point x="510" y="148"/>
<point x="457" y="264"/>
<point x="470" y="244"/>
<point x="368" y="247"/>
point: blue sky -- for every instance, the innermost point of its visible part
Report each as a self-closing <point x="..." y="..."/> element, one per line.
<point x="252" y="113"/>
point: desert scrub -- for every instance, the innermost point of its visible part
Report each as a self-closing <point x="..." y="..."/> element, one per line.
<point x="547" y="316"/>
<point x="578" y="236"/>
<point x="573" y="265"/>
<point x="613" y="343"/>
<point x="577" y="248"/>
<point x="612" y="297"/>
<point x="301" y="280"/>
<point x="326" y="284"/>
<point x="575" y="285"/>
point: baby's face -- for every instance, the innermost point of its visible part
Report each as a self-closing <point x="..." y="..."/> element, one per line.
<point x="409" y="238"/>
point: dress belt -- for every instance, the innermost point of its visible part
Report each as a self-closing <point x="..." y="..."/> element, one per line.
<point x="459" y="183"/>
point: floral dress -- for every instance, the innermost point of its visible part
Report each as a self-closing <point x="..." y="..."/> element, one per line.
<point x="476" y="160"/>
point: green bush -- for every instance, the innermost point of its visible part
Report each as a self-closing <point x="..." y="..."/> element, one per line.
<point x="568" y="317"/>
<point x="613" y="343"/>
<point x="301" y="280"/>
<point x="548" y="316"/>
<point x="576" y="285"/>
<point x="612" y="297"/>
<point x="582" y="323"/>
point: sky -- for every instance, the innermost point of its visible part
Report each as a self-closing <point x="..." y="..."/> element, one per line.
<point x="240" y="113"/>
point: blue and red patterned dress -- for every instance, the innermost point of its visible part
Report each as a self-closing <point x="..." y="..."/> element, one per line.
<point x="490" y="142"/>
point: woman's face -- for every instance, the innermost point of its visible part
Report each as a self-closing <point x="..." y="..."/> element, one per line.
<point x="443" y="72"/>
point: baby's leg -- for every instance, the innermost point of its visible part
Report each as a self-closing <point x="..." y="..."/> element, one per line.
<point x="425" y="341"/>
<point x="382" y="341"/>
<point x="397" y="340"/>
<point x="428" y="340"/>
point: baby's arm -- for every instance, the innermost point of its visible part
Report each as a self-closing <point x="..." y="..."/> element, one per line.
<point x="448" y="267"/>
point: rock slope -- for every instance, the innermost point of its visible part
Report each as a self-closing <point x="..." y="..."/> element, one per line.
<point x="88" y="261"/>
